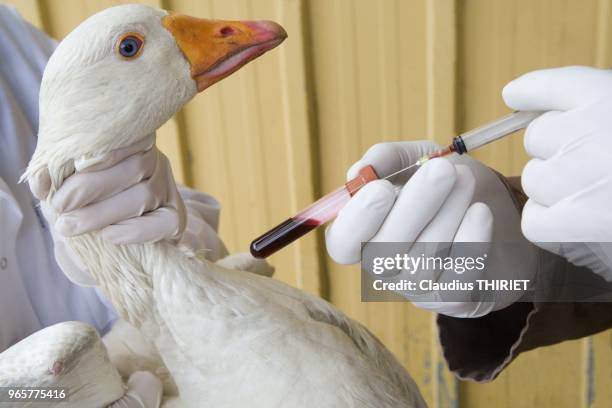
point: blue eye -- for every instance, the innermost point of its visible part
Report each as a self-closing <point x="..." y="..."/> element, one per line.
<point x="130" y="45"/>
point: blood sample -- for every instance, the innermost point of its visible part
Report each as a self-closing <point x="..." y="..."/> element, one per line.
<point x="322" y="211"/>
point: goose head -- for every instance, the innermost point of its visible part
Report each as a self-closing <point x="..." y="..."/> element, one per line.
<point x="125" y="71"/>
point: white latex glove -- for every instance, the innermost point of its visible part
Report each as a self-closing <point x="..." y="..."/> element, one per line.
<point x="144" y="391"/>
<point x="130" y="195"/>
<point x="452" y="200"/>
<point x="569" y="179"/>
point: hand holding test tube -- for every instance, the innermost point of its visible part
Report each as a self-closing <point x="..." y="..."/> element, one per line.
<point x="326" y="208"/>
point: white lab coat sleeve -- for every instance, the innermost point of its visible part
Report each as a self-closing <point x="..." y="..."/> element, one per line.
<point x="25" y="51"/>
<point x="45" y="44"/>
<point x="13" y="302"/>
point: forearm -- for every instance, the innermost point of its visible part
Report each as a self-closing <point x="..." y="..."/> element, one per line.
<point x="479" y="349"/>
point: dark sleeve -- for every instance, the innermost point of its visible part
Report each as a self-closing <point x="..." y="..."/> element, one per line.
<point x="479" y="349"/>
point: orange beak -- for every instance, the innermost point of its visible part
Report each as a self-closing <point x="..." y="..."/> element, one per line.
<point x="216" y="49"/>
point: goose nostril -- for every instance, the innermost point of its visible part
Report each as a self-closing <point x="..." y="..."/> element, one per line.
<point x="226" y="31"/>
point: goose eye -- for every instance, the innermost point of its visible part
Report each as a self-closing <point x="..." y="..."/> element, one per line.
<point x="130" y="45"/>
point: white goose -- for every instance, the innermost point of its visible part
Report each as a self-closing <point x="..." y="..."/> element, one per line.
<point x="229" y="338"/>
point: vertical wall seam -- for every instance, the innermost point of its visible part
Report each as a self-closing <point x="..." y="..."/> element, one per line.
<point x="289" y="147"/>
<point x="429" y="66"/>
<point x="588" y="377"/>
<point x="261" y="183"/>
<point x="303" y="150"/>
<point x="43" y="15"/>
<point x="181" y="130"/>
<point x="224" y="153"/>
<point x="315" y="135"/>
<point x="602" y="33"/>
<point x="441" y="66"/>
<point x="458" y="105"/>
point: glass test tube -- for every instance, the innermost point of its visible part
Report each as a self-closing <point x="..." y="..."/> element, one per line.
<point x="320" y="212"/>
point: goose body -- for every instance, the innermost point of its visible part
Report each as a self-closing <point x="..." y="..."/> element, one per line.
<point x="229" y="338"/>
<point x="233" y="338"/>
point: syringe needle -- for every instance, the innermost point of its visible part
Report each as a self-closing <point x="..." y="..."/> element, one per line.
<point x="400" y="171"/>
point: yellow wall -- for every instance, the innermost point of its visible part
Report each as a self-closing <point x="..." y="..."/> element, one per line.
<point x="283" y="130"/>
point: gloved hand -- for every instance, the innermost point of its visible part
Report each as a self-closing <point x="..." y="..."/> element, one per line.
<point x="130" y="196"/>
<point x="446" y="200"/>
<point x="569" y="179"/>
<point x="144" y="390"/>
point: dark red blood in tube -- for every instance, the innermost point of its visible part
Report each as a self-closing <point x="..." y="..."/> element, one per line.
<point x="320" y="212"/>
<point x="281" y="236"/>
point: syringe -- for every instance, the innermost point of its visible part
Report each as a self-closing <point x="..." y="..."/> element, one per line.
<point x="327" y="207"/>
